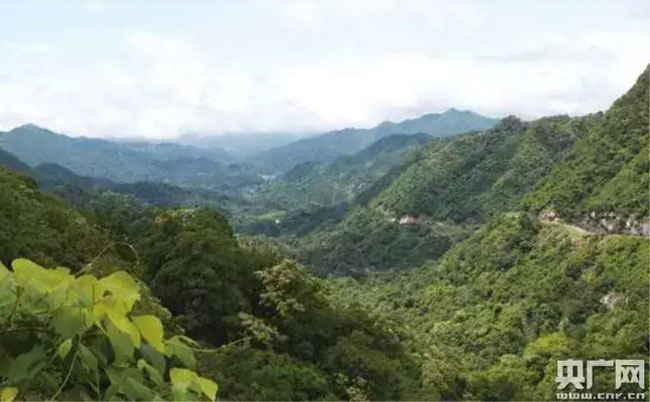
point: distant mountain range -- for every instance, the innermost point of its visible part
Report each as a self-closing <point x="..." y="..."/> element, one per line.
<point x="127" y="162"/>
<point x="212" y="163"/>
<point x="329" y="146"/>
<point x="239" y="146"/>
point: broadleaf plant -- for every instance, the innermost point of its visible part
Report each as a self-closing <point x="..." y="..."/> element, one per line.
<point x="73" y="337"/>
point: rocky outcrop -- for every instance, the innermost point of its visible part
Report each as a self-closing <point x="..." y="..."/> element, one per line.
<point x="549" y="216"/>
<point x="611" y="299"/>
<point x="410" y="220"/>
<point x="604" y="223"/>
<point x="611" y="223"/>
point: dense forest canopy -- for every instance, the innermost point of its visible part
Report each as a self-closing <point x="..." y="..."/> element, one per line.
<point x="406" y="267"/>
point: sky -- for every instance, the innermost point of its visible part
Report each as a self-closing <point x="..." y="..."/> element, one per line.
<point x="161" y="69"/>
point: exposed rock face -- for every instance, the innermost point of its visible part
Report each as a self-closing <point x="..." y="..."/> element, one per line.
<point x="409" y="220"/>
<point x="611" y="299"/>
<point x="611" y="223"/>
<point x="549" y="215"/>
<point x="605" y="223"/>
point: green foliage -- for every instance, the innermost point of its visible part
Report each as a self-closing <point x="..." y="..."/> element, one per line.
<point x="607" y="170"/>
<point x="125" y="162"/>
<point x="511" y="300"/>
<point x="318" y="184"/>
<point x="245" y="373"/>
<point x="329" y="146"/>
<point x="447" y="188"/>
<point x="368" y="240"/>
<point x="478" y="175"/>
<point x="42" y="228"/>
<point x="76" y="337"/>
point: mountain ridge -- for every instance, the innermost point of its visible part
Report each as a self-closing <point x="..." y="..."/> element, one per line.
<point x="328" y="146"/>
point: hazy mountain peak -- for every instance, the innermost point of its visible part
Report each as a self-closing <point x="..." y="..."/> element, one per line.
<point x="329" y="146"/>
<point x="28" y="126"/>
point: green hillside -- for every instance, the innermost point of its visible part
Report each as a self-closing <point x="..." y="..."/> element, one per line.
<point x="265" y="327"/>
<point x="474" y="176"/>
<point x="41" y="227"/>
<point x="495" y="313"/>
<point x="329" y="146"/>
<point x="314" y="184"/>
<point x="128" y="162"/>
<point x="607" y="170"/>
<point x="439" y="195"/>
<point x="492" y="317"/>
<point x="9" y="161"/>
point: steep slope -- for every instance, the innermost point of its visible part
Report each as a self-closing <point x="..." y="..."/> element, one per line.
<point x="440" y="194"/>
<point x="611" y="158"/>
<point x="495" y="314"/>
<point x="9" y="161"/>
<point x="474" y="176"/>
<point x="327" y="147"/>
<point x="497" y="311"/>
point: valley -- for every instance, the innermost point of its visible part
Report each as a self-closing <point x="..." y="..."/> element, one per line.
<point x="450" y="256"/>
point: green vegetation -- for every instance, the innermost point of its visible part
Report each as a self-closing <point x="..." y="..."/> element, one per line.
<point x="493" y="316"/>
<point x="503" y="290"/>
<point x="180" y="165"/>
<point x="368" y="240"/>
<point x="478" y="175"/>
<point x="41" y="228"/>
<point x="444" y="190"/>
<point x="245" y="306"/>
<point x="606" y="171"/>
<point x="329" y="146"/>
<point x="78" y="338"/>
<point x="318" y="184"/>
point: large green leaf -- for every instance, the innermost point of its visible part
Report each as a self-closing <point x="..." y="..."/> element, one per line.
<point x="125" y="325"/>
<point x="122" y="346"/>
<point x="208" y="387"/>
<point x="137" y="391"/>
<point x="182" y="381"/>
<point x="27" y="273"/>
<point x="88" y="359"/>
<point x="154" y="358"/>
<point x="152" y="373"/>
<point x="175" y="347"/>
<point x="123" y="287"/>
<point x="90" y="289"/>
<point x="151" y="329"/>
<point x="8" y="394"/>
<point x="41" y="279"/>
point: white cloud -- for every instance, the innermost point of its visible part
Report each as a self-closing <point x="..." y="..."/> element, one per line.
<point x="316" y="66"/>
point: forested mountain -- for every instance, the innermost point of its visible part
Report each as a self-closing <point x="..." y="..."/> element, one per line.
<point x="526" y="244"/>
<point x="440" y="194"/>
<point x="170" y="163"/>
<point x="316" y="184"/>
<point x="282" y="338"/>
<point x="329" y="146"/>
<point x="10" y="162"/>
<point x="496" y="312"/>
<point x="607" y="170"/>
